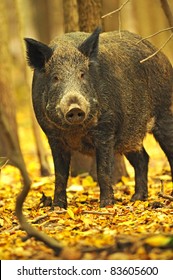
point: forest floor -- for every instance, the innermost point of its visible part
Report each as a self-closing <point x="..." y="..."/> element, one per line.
<point x="128" y="230"/>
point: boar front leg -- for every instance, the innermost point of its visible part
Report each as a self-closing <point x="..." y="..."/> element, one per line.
<point x="105" y="160"/>
<point x="61" y="161"/>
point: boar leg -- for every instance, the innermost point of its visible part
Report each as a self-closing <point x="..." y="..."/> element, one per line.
<point x="105" y="159"/>
<point x="61" y="161"/>
<point x="139" y="160"/>
<point x="163" y="133"/>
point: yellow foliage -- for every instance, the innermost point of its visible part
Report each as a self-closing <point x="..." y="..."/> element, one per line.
<point x="131" y="225"/>
<point x="88" y="182"/>
<point x="158" y="240"/>
<point x="71" y="213"/>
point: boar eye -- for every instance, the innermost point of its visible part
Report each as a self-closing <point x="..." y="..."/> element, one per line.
<point x="55" y="79"/>
<point x="82" y="74"/>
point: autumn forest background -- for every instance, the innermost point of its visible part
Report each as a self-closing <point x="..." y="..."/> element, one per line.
<point x="140" y="230"/>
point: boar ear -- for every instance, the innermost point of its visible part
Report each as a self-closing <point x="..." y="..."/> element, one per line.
<point x="37" y="53"/>
<point x="90" y="46"/>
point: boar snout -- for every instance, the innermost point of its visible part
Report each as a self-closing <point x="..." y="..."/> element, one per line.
<point x="74" y="108"/>
<point x="75" y="115"/>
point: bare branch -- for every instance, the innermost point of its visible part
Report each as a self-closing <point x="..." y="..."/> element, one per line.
<point x="4" y="164"/>
<point x="119" y="24"/>
<point x="150" y="56"/>
<point x="168" y="13"/>
<point x="119" y="15"/>
<point x="156" y="33"/>
<point x="117" y="10"/>
<point x="166" y="196"/>
<point x="161" y="194"/>
<point x="25" y="225"/>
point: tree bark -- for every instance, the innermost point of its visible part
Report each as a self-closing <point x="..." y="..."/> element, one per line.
<point x="90" y="13"/>
<point x="71" y="18"/>
<point x="41" y="19"/>
<point x="19" y="10"/>
<point x="9" y="140"/>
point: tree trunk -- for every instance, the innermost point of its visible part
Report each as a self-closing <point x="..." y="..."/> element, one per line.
<point x="9" y="140"/>
<point x="71" y="19"/>
<point x="90" y="13"/>
<point x="16" y="21"/>
<point x="41" y="19"/>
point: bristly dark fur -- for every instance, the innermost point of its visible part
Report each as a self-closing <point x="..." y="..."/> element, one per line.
<point x="37" y="53"/>
<point x="90" y="46"/>
<point x="94" y="96"/>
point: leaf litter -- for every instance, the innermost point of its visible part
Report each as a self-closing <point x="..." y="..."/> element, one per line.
<point x="128" y="230"/>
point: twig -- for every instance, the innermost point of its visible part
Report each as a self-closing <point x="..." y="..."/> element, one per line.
<point x="119" y="15"/>
<point x="36" y="220"/>
<point x="119" y="24"/>
<point x="161" y="194"/>
<point x="4" y="164"/>
<point x="97" y="213"/>
<point x="117" y="10"/>
<point x="150" y="56"/>
<point x="154" y="34"/>
<point x="25" y="225"/>
<point x="18" y="227"/>
<point x="168" y="14"/>
<point x="166" y="196"/>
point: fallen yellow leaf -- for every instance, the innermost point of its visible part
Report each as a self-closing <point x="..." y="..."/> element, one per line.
<point x="88" y="181"/>
<point x="71" y="214"/>
<point x="158" y="240"/>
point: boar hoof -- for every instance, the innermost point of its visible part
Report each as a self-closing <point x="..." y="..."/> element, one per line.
<point x="107" y="202"/>
<point x="139" y="196"/>
<point x="60" y="203"/>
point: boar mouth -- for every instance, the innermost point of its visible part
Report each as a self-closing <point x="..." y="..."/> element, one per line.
<point x="81" y="121"/>
<point x="73" y="111"/>
<point x="73" y="108"/>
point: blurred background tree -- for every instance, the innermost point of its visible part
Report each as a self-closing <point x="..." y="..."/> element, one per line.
<point x="9" y="140"/>
<point x="43" y="20"/>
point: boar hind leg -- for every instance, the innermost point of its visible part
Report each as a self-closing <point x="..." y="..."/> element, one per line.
<point x="139" y="160"/>
<point x="61" y="161"/>
<point x="163" y="133"/>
